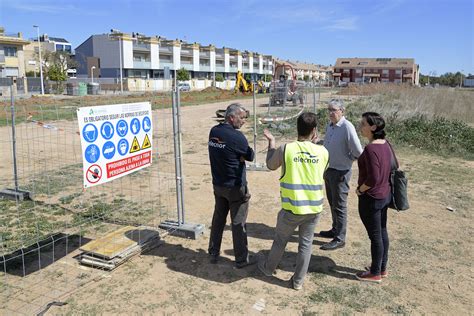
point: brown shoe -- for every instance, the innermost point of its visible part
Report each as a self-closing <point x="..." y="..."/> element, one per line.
<point x="383" y="274"/>
<point x="366" y="276"/>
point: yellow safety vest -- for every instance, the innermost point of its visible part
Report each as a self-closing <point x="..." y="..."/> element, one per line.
<point x="301" y="182"/>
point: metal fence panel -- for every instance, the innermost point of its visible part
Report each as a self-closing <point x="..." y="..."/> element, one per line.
<point x="62" y="216"/>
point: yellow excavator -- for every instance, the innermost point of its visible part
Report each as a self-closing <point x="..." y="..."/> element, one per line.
<point x="246" y="87"/>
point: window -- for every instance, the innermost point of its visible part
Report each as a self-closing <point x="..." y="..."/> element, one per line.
<point x="59" y="47"/>
<point x="398" y="71"/>
<point x="359" y="71"/>
<point x="385" y="72"/>
<point x="345" y="62"/>
<point x="363" y="63"/>
<point x="10" y="51"/>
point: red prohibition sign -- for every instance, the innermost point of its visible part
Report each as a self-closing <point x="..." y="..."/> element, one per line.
<point x="93" y="174"/>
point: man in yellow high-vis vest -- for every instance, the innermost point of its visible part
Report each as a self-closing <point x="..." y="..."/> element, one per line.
<point x="303" y="164"/>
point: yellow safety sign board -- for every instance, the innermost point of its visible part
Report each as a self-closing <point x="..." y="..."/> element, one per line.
<point x="135" y="145"/>
<point x="146" y="142"/>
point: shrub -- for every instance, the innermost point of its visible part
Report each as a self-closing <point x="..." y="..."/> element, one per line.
<point x="182" y="75"/>
<point x="219" y="77"/>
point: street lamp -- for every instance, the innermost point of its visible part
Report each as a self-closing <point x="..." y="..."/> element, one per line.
<point x="40" y="60"/>
<point x="92" y="74"/>
<point x="115" y="33"/>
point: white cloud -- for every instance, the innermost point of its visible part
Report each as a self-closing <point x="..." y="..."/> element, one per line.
<point x="44" y="8"/>
<point x="345" y="24"/>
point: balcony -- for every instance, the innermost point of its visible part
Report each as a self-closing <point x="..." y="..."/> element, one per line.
<point x="187" y="66"/>
<point x="166" y="63"/>
<point x="141" y="64"/>
<point x="232" y="69"/>
<point x="186" y="52"/>
<point x="141" y="47"/>
<point x="220" y="56"/>
<point x="166" y="50"/>
<point x="204" y="55"/>
<point x="2" y="59"/>
<point x="204" y="67"/>
<point x="220" y="68"/>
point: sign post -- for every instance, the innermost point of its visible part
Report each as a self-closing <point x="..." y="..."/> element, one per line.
<point x="180" y="228"/>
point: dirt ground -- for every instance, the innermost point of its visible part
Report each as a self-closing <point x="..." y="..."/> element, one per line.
<point x="430" y="269"/>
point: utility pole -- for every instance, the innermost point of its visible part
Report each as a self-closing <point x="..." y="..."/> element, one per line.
<point x="40" y="60"/>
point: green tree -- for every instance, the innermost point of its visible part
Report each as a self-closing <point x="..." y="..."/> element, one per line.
<point x="55" y="67"/>
<point x="219" y="77"/>
<point x="56" y="73"/>
<point x="306" y="78"/>
<point x="182" y="75"/>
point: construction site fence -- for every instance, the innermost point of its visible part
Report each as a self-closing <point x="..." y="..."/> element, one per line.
<point x="59" y="216"/>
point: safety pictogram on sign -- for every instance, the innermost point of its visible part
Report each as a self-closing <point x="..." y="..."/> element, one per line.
<point x="146" y="142"/>
<point x="135" y="145"/>
<point x="93" y="174"/>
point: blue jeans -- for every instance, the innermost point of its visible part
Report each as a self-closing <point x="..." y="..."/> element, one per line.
<point x="373" y="213"/>
<point x="235" y="200"/>
<point x="287" y="222"/>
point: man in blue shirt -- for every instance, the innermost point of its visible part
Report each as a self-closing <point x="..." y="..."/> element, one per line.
<point x="228" y="151"/>
<point x="344" y="147"/>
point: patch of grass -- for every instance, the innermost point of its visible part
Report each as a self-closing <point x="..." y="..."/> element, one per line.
<point x="68" y="198"/>
<point x="415" y="127"/>
<point x="354" y="298"/>
<point x="439" y="135"/>
<point x="51" y="183"/>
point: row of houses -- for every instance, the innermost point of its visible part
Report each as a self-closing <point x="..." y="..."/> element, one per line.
<point x="367" y="70"/>
<point x="136" y="56"/>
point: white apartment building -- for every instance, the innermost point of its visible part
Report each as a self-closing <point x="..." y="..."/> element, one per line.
<point x="139" y="56"/>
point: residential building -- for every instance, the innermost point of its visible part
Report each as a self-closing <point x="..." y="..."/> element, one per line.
<point x="48" y="44"/>
<point x="397" y="70"/>
<point x="307" y="70"/>
<point x="12" y="62"/>
<point x="140" y="56"/>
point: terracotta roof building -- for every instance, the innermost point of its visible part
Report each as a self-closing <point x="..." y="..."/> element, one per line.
<point x="397" y="70"/>
<point x="310" y="71"/>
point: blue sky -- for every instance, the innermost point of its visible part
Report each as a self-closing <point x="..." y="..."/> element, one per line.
<point x="437" y="33"/>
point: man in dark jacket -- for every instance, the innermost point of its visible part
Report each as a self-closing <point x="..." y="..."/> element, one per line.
<point x="228" y="151"/>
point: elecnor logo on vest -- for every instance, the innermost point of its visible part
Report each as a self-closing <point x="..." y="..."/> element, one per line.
<point x="309" y="159"/>
<point x="216" y="142"/>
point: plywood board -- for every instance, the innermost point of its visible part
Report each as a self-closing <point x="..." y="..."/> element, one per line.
<point x="119" y="241"/>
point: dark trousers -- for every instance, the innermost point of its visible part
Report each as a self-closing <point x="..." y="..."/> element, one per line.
<point x="373" y="213"/>
<point x="337" y="189"/>
<point x="236" y="200"/>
